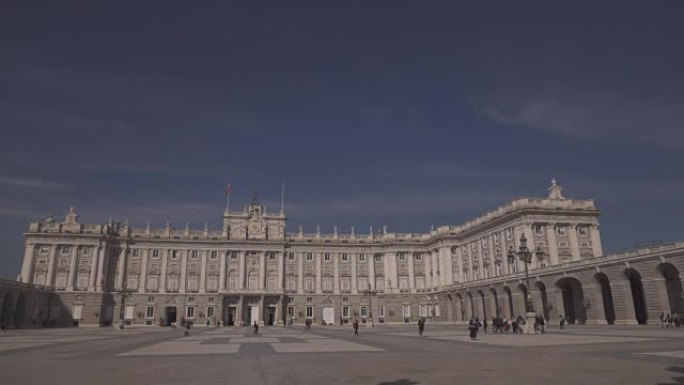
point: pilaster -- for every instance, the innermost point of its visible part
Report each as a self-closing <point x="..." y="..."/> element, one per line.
<point x="203" y="272"/>
<point x="184" y="271"/>
<point x="50" y="281"/>
<point x="164" y="267"/>
<point x="72" y="268"/>
<point x="142" y="285"/>
<point x="27" y="264"/>
<point x="222" y="271"/>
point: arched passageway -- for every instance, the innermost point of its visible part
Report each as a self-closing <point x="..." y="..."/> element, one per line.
<point x="495" y="300"/>
<point x="522" y="307"/>
<point x="461" y="311"/>
<point x="509" y="297"/>
<point x="483" y="303"/>
<point x="638" y="298"/>
<point x="607" y="297"/>
<point x="673" y="287"/>
<point x="544" y="300"/>
<point x="471" y="306"/>
<point x="573" y="300"/>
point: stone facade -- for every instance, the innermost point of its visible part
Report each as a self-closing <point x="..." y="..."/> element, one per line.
<point x="253" y="270"/>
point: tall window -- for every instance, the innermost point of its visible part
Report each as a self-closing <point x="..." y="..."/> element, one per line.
<point x="252" y="282"/>
<point x="233" y="281"/>
<point x="133" y="281"/>
<point x="82" y="282"/>
<point x="497" y="268"/>
<point x="362" y="283"/>
<point x="309" y="283"/>
<point x="362" y="257"/>
<point x="309" y="312"/>
<point x="380" y="283"/>
<point x="291" y="283"/>
<point x="345" y="311"/>
<point x="406" y="311"/>
<point x="309" y="257"/>
<point x="345" y="284"/>
<point x="172" y="283"/>
<point x="326" y="257"/>
<point x="420" y="282"/>
<point x="149" y="312"/>
<point x="291" y="311"/>
<point x="364" y="311"/>
<point x="190" y="313"/>
<point x="272" y="282"/>
<point x="212" y="283"/>
<point x="210" y="311"/>
<point x="155" y="253"/>
<point x="327" y="284"/>
<point x="345" y="257"/>
<point x="423" y="310"/>
<point x="61" y="280"/>
<point x="403" y="282"/>
<point x="192" y="284"/>
<point x="152" y="283"/>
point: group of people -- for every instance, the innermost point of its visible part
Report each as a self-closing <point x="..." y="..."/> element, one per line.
<point x="668" y="321"/>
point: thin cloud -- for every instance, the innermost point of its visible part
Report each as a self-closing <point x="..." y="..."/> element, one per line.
<point x="34" y="183"/>
<point x="596" y="118"/>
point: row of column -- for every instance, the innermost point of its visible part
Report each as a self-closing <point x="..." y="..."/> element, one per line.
<point x="96" y="275"/>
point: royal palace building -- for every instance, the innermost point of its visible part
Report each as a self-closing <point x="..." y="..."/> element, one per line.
<point x="253" y="270"/>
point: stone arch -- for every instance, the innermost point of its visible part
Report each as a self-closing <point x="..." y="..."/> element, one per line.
<point x="483" y="304"/>
<point x="544" y="299"/>
<point x="638" y="297"/>
<point x="509" y="298"/>
<point x="673" y="287"/>
<point x="606" y="294"/>
<point x="573" y="300"/>
<point x="471" y="306"/>
<point x="495" y="302"/>
<point x="522" y="308"/>
<point x="460" y="309"/>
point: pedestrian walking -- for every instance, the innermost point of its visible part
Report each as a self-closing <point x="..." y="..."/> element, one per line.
<point x="677" y="321"/>
<point x="421" y="326"/>
<point x="484" y="326"/>
<point x="514" y="324"/>
<point x="256" y="328"/>
<point x="561" y="321"/>
<point x="472" y="327"/>
<point x="662" y="319"/>
<point x="356" y="328"/>
<point x="187" y="329"/>
<point x="542" y="324"/>
<point x="668" y="319"/>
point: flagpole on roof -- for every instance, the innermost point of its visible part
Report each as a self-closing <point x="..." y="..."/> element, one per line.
<point x="282" y="201"/>
<point x="228" y="189"/>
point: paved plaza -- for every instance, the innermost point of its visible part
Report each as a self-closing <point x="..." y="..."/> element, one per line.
<point x="332" y="355"/>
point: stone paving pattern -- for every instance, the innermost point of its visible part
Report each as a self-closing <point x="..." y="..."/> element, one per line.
<point x="384" y="355"/>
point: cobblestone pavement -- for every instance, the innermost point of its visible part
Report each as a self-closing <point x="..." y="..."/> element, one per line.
<point x="387" y="355"/>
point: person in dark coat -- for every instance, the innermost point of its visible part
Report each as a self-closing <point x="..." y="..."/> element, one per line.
<point x="356" y="328"/>
<point x="421" y="326"/>
<point x="256" y="328"/>
<point x="472" y="327"/>
<point x="484" y="326"/>
<point x="561" y="321"/>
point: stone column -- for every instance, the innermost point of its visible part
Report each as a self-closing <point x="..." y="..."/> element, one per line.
<point x="574" y="242"/>
<point x="553" y="244"/>
<point x="72" y="268"/>
<point x="300" y="272"/>
<point x="50" y="281"/>
<point x="184" y="271"/>
<point x="143" y="272"/>
<point x="261" y="311"/>
<point x="596" y="246"/>
<point x="448" y="263"/>
<point x="101" y="268"/>
<point x="319" y="273"/>
<point x="281" y="272"/>
<point x="427" y="268"/>
<point x="389" y="259"/>
<point x="459" y="264"/>
<point x="262" y="272"/>
<point x="336" y="273"/>
<point x="164" y="267"/>
<point x="27" y="265"/>
<point x="121" y="268"/>
<point x="596" y="313"/>
<point x="239" y="312"/>
<point x="95" y="252"/>
<point x="241" y="273"/>
<point x="411" y="271"/>
<point x="371" y="272"/>
<point x="353" y="272"/>
<point x="222" y="271"/>
<point x="203" y="272"/>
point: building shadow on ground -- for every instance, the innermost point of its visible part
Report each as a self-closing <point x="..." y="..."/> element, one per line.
<point x="679" y="380"/>
<point x="403" y="381"/>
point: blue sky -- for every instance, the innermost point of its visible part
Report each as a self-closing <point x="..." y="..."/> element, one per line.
<point x="397" y="113"/>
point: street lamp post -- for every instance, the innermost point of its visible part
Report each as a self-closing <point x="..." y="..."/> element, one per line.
<point x="525" y="255"/>
<point x="124" y="295"/>
<point x="370" y="293"/>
